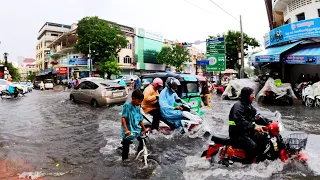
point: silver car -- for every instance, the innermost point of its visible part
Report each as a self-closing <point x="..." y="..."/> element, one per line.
<point x="99" y="92"/>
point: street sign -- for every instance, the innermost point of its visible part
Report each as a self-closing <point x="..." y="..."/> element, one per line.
<point x="216" y="63"/>
<point x="216" y="54"/>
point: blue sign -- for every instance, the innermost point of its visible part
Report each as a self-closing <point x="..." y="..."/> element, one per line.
<point x="78" y="61"/>
<point x="267" y="58"/>
<point x="298" y="30"/>
<point x="202" y="62"/>
<point x="217" y="40"/>
<point x="302" y="60"/>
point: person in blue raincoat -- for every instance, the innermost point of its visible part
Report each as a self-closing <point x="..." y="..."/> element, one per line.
<point x="167" y="98"/>
<point x="122" y="82"/>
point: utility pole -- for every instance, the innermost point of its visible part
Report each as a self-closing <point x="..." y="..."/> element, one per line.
<point x="242" y="50"/>
<point x="90" y="62"/>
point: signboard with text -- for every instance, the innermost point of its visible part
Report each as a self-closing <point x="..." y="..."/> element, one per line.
<point x="302" y="60"/>
<point x="216" y="55"/>
<point x="298" y="30"/>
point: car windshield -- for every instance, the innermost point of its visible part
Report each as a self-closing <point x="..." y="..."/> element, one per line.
<point x="192" y="87"/>
<point x="48" y="81"/>
<point x="110" y="84"/>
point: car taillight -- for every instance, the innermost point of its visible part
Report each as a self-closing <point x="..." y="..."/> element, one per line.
<point x="104" y="93"/>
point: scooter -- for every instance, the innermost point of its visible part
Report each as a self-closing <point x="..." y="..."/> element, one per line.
<point x="191" y="124"/>
<point x="311" y="95"/>
<point x="223" y="152"/>
<point x="299" y="87"/>
<point x="17" y="90"/>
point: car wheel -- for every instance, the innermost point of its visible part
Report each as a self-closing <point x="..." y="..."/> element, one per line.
<point x="72" y="99"/>
<point x="309" y="102"/>
<point x="94" y="103"/>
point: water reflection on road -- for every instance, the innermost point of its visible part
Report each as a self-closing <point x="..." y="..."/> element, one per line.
<point x="62" y="140"/>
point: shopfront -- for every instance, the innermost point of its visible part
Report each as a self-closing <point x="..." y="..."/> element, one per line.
<point x="294" y="48"/>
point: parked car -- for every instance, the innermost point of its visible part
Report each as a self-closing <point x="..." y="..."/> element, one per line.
<point x="48" y="84"/>
<point x="29" y="86"/>
<point x="99" y="92"/>
<point x="24" y="87"/>
<point x="3" y="84"/>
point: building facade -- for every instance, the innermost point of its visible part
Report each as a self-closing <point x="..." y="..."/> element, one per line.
<point x="27" y="67"/>
<point x="46" y="35"/>
<point x="293" y="43"/>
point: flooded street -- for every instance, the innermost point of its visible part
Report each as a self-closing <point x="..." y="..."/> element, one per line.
<point x="45" y="135"/>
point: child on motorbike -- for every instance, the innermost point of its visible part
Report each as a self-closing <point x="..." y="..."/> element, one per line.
<point x="167" y="98"/>
<point x="132" y="123"/>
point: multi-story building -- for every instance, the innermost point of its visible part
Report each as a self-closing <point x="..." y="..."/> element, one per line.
<point x="46" y="35"/>
<point x="292" y="45"/>
<point x="77" y="63"/>
<point x="27" y="67"/>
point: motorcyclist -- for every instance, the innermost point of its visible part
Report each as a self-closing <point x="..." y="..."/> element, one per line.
<point x="11" y="88"/>
<point x="150" y="102"/>
<point x="167" y="98"/>
<point x="242" y="129"/>
<point x="277" y="80"/>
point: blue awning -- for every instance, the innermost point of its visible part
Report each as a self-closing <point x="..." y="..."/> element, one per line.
<point x="304" y="56"/>
<point x="273" y="54"/>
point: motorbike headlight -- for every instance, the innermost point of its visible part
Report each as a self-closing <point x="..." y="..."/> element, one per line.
<point x="280" y="127"/>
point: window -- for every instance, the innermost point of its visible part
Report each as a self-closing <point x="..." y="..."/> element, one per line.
<point x="300" y="17"/>
<point x="54" y="35"/>
<point x="288" y="21"/>
<point x="129" y="46"/>
<point x="91" y="85"/>
<point x="118" y="59"/>
<point x="75" y="56"/>
<point x="319" y="12"/>
<point x="127" y="60"/>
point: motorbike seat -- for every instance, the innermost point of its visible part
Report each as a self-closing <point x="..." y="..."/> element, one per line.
<point x="220" y="140"/>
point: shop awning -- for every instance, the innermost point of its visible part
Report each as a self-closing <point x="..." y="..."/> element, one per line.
<point x="273" y="54"/>
<point x="304" y="56"/>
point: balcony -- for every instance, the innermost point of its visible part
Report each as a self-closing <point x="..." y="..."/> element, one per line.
<point x="280" y="5"/>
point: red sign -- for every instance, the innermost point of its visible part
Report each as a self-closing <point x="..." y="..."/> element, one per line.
<point x="62" y="70"/>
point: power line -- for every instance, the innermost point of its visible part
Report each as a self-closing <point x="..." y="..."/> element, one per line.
<point x="224" y="10"/>
<point x="199" y="7"/>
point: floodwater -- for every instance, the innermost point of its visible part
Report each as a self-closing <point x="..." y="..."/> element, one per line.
<point x="43" y="135"/>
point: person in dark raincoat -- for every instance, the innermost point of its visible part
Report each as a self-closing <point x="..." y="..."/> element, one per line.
<point x="242" y="130"/>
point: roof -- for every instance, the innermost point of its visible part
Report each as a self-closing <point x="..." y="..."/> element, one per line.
<point x="314" y="51"/>
<point x="273" y="54"/>
<point x="55" y="24"/>
<point x="29" y="60"/>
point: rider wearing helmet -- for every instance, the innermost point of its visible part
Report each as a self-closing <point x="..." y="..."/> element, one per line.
<point x="150" y="102"/>
<point x="167" y="98"/>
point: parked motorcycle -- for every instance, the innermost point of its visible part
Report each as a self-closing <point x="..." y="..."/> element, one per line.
<point x="17" y="91"/>
<point x="222" y="151"/>
<point x="221" y="88"/>
<point x="191" y="124"/>
<point x="311" y="95"/>
<point x="299" y="87"/>
<point x="272" y="94"/>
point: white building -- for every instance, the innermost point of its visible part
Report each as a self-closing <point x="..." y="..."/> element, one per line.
<point x="46" y="35"/>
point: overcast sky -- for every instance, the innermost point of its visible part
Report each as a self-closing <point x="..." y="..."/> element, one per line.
<point x="20" y="20"/>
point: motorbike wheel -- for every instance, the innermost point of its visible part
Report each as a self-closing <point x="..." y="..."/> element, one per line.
<point x="317" y="103"/>
<point x="309" y="102"/>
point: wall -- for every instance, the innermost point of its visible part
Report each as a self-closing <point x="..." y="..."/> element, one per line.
<point x="128" y="51"/>
<point x="310" y="10"/>
<point x="296" y="70"/>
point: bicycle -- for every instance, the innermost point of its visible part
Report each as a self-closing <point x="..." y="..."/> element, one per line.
<point x="143" y="154"/>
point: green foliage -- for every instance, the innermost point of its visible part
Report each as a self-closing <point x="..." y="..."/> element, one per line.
<point x="31" y="77"/>
<point x="105" y="39"/>
<point x="14" y="72"/>
<point x="174" y="56"/>
<point x="110" y="67"/>
<point x="256" y="71"/>
<point x="249" y="71"/>
<point x="233" y="47"/>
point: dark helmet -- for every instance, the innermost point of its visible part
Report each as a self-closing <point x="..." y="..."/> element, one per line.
<point x="172" y="83"/>
<point x="245" y="94"/>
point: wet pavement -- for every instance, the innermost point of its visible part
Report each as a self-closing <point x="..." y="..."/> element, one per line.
<point x="45" y="135"/>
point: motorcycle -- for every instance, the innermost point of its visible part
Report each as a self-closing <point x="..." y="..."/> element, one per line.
<point x="222" y="150"/>
<point x="191" y="124"/>
<point x="311" y="95"/>
<point x="299" y="87"/>
<point x="17" y="90"/>
<point x="272" y="94"/>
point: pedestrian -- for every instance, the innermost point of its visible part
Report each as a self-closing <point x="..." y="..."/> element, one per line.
<point x="131" y="123"/>
<point x="132" y="84"/>
<point x="77" y="82"/>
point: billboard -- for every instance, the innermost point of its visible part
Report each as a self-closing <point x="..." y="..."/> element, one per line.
<point x="302" y="60"/>
<point x="295" y="31"/>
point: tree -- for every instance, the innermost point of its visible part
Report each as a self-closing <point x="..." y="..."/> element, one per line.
<point x="174" y="56"/>
<point x="104" y="39"/>
<point x="31" y="77"/>
<point x="110" y="67"/>
<point x="233" y="47"/>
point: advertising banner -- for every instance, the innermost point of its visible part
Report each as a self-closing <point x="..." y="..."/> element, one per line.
<point x="267" y="58"/>
<point x="298" y="30"/>
<point x="302" y="60"/>
<point x="78" y="61"/>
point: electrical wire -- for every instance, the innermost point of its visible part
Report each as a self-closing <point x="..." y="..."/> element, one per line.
<point x="224" y="10"/>
<point x="199" y="7"/>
